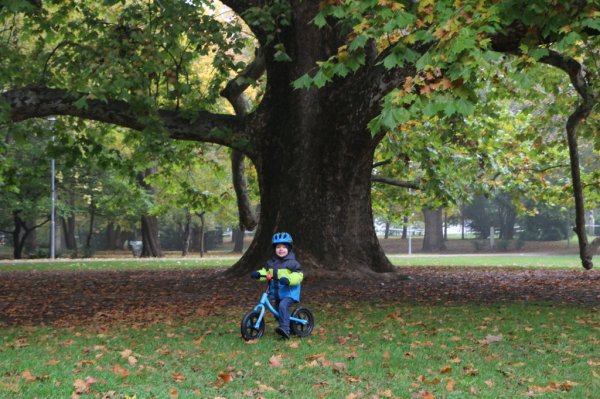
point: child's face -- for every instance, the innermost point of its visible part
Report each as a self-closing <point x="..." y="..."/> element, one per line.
<point x="281" y="250"/>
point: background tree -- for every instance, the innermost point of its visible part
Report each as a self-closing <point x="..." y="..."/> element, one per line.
<point x="25" y="182"/>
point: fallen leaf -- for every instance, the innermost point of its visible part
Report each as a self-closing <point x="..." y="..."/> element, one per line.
<point x="28" y="376"/>
<point x="126" y="353"/>
<point x="275" y="361"/>
<point x="81" y="386"/>
<point x="120" y="371"/>
<point x="223" y="378"/>
<point x="445" y="369"/>
<point x="450" y="385"/>
<point x="177" y="377"/>
<point x="424" y="394"/>
<point x="493" y="338"/>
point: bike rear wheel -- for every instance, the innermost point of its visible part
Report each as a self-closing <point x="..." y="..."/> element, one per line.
<point x="249" y="331"/>
<point x="302" y="330"/>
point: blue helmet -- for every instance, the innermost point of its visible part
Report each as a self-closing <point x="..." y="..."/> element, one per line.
<point x="282" y="238"/>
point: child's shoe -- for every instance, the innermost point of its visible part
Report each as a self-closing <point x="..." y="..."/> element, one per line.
<point x="284" y="334"/>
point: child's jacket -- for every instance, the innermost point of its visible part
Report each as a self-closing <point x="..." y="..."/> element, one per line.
<point x="283" y="267"/>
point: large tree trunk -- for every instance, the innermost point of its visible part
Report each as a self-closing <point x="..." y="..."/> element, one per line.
<point x="187" y="233"/>
<point x="201" y="232"/>
<point x="238" y="240"/>
<point x="433" y="239"/>
<point x="31" y="244"/>
<point x="92" y="214"/>
<point x="314" y="159"/>
<point x="315" y="182"/>
<point x="150" y="243"/>
<point x="68" y="226"/>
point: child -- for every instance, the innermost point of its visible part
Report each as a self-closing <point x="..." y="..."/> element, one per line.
<point x="286" y="278"/>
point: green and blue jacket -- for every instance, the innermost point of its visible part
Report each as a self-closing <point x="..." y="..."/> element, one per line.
<point x="287" y="267"/>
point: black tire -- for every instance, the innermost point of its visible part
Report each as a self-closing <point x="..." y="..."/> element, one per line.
<point x="249" y="332"/>
<point x="302" y="330"/>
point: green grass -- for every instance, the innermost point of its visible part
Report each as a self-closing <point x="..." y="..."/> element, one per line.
<point x="546" y="261"/>
<point x="131" y="264"/>
<point x="552" y="261"/>
<point x="356" y="350"/>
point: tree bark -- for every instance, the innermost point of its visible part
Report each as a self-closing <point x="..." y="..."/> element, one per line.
<point x="92" y="214"/>
<point x="20" y="233"/>
<point x="68" y="226"/>
<point x="187" y="233"/>
<point x="433" y="239"/>
<point x="201" y="216"/>
<point x="150" y="241"/>
<point x="238" y="241"/>
<point x="580" y="79"/>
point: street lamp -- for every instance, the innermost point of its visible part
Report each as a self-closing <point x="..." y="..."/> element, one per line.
<point x="53" y="201"/>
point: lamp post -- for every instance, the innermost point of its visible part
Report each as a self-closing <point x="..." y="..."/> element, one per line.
<point x="52" y="214"/>
<point x="53" y="200"/>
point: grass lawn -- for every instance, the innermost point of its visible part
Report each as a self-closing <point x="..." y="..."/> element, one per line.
<point x="553" y="261"/>
<point x="546" y="261"/>
<point x="114" y="264"/>
<point x="356" y="351"/>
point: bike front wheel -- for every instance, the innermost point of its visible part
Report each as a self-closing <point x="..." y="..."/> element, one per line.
<point x="302" y="330"/>
<point x="249" y="330"/>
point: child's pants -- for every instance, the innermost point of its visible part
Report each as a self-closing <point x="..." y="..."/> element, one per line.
<point x="284" y="313"/>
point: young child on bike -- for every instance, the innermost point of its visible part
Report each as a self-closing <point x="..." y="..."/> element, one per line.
<point x="286" y="280"/>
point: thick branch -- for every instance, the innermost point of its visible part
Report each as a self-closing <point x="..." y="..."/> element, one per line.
<point x="248" y="220"/>
<point x="579" y="79"/>
<point x="394" y="182"/>
<point x="36" y="102"/>
<point x="234" y="93"/>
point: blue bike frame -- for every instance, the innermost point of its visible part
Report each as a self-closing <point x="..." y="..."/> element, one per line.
<point x="265" y="304"/>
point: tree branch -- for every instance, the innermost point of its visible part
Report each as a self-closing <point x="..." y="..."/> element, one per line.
<point x="234" y="93"/>
<point x="580" y="81"/>
<point x="394" y="182"/>
<point x="39" y="102"/>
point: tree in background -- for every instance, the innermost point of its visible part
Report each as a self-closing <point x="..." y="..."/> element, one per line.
<point x="25" y="182"/>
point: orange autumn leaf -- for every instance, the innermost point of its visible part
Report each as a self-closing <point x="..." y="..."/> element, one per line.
<point x="445" y="369"/>
<point x="424" y="394"/>
<point x="28" y="376"/>
<point x="120" y="371"/>
<point x="275" y="361"/>
<point x="178" y="377"/>
<point x="223" y="378"/>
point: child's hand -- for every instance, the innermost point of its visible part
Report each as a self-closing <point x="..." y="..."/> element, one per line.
<point x="269" y="277"/>
<point x="284" y="281"/>
<point x="255" y="275"/>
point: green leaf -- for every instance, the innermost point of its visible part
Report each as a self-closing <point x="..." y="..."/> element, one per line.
<point x="424" y="61"/>
<point x="391" y="61"/>
<point x="81" y="103"/>
<point x="320" y="79"/>
<point x="538" y="53"/>
<point x="303" y="82"/>
<point x="358" y="42"/>
<point x="320" y="20"/>
<point x="281" y="56"/>
<point x="449" y="108"/>
<point x="464" y="107"/>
